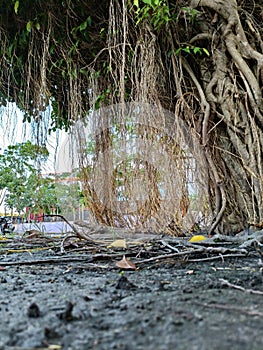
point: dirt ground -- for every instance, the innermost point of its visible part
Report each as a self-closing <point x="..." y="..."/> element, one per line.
<point x="53" y="300"/>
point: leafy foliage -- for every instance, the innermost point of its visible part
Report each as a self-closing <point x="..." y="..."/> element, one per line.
<point x="21" y="179"/>
<point x="69" y="196"/>
<point x="156" y="11"/>
<point x="50" y="44"/>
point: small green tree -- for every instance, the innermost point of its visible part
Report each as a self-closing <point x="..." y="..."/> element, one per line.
<point x="69" y="196"/>
<point x="20" y="177"/>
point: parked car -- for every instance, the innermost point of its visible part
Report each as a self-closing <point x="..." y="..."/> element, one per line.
<point x="6" y="225"/>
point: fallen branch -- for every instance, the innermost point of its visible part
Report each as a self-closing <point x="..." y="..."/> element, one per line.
<point x="165" y="244"/>
<point x="218" y="257"/>
<point x="69" y="235"/>
<point x="172" y="255"/>
<point x="79" y="234"/>
<point x="59" y="260"/>
<point x="230" y="308"/>
<point x="235" y="286"/>
<point x="201" y="249"/>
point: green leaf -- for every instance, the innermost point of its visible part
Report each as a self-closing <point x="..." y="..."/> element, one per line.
<point x="147" y="2"/>
<point x="97" y="74"/>
<point x="29" y="26"/>
<point x="186" y="49"/>
<point x="197" y="50"/>
<point x="178" y="51"/>
<point x="83" y="71"/>
<point x="97" y="104"/>
<point x="88" y="20"/>
<point x="37" y="26"/>
<point x="83" y="26"/>
<point x="136" y="3"/>
<point x="16" y="7"/>
<point x="206" y="51"/>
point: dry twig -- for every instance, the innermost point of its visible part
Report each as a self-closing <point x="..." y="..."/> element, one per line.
<point x="231" y="308"/>
<point x="235" y="286"/>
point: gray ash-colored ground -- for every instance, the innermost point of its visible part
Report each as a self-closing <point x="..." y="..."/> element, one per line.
<point x="170" y="304"/>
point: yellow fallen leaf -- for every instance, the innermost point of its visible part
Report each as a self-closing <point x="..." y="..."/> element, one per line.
<point x="3" y="238"/>
<point x="197" y="238"/>
<point x="119" y="243"/>
<point x="54" y="347"/>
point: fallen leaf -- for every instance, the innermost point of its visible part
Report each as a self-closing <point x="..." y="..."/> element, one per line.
<point x="197" y="238"/>
<point x="54" y="347"/>
<point x="2" y="268"/>
<point x="119" y="243"/>
<point x="126" y="264"/>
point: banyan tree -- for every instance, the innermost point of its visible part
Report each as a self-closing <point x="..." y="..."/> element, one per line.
<point x="163" y="100"/>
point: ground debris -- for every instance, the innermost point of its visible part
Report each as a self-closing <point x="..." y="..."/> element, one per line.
<point x="142" y="248"/>
<point x="33" y="311"/>
<point x="67" y="313"/>
<point x="124" y="283"/>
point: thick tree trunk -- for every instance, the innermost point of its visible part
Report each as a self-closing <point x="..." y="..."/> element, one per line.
<point x="235" y="93"/>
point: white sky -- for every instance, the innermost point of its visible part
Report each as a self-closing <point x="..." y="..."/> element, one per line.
<point x="13" y="130"/>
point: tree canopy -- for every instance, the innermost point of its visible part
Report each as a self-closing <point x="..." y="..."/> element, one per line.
<point x="201" y="60"/>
